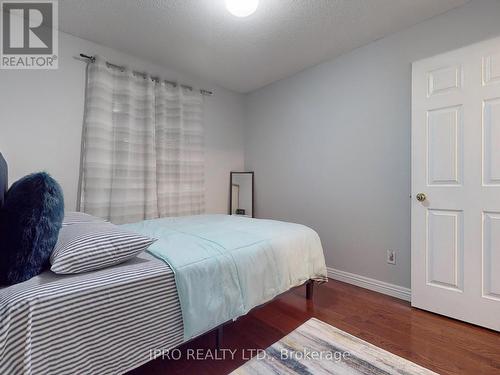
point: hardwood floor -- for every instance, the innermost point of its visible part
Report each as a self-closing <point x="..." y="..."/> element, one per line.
<point x="443" y="345"/>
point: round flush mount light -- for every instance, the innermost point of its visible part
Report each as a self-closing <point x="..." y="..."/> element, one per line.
<point x="242" y="8"/>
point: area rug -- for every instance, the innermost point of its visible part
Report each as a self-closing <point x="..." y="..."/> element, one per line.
<point x="318" y="348"/>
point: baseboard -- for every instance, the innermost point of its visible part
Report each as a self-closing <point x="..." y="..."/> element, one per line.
<point x="372" y="284"/>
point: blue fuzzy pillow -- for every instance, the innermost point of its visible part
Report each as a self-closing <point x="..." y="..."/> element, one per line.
<point x="3" y="179"/>
<point x="30" y="220"/>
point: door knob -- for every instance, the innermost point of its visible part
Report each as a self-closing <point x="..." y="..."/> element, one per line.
<point x="421" y="197"/>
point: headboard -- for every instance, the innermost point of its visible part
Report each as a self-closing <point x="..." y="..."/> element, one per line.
<point x="3" y="178"/>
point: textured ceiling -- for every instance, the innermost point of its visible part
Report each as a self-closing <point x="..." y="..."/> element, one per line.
<point x="199" y="37"/>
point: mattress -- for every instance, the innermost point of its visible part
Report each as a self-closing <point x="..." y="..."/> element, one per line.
<point x="225" y="265"/>
<point x="102" y="322"/>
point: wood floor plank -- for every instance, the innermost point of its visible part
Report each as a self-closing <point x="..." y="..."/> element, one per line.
<point x="441" y="344"/>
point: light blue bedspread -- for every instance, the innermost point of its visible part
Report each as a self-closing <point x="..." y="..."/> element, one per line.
<point x="226" y="265"/>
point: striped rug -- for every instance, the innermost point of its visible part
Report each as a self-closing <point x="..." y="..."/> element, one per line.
<point x="318" y="348"/>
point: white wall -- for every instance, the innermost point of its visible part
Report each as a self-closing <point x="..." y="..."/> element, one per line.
<point x="330" y="146"/>
<point x="41" y="120"/>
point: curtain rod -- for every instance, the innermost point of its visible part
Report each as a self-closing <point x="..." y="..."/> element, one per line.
<point x="155" y="79"/>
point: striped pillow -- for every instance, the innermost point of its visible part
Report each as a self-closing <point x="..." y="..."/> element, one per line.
<point x="90" y="245"/>
<point x="71" y="218"/>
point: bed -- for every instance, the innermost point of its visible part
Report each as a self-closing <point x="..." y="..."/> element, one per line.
<point x="99" y="322"/>
<point x="202" y="272"/>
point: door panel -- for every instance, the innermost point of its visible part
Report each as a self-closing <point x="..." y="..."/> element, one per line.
<point x="456" y="163"/>
<point x="491" y="69"/>
<point x="491" y="255"/>
<point x="443" y="80"/>
<point x="444" y="249"/>
<point x="444" y="145"/>
<point x="491" y="142"/>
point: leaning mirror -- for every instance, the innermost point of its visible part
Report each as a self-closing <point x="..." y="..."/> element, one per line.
<point x="241" y="195"/>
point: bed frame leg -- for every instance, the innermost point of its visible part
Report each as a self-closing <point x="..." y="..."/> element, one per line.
<point x="310" y="289"/>
<point x="218" y="337"/>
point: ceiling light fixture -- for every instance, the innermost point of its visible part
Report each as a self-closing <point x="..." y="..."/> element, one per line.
<point x="242" y="8"/>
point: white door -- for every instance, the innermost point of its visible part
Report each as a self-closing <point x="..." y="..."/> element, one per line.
<point x="456" y="164"/>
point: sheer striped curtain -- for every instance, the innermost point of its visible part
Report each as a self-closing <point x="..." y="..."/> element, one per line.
<point x="142" y="147"/>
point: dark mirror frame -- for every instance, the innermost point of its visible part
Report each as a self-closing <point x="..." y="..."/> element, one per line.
<point x="230" y="190"/>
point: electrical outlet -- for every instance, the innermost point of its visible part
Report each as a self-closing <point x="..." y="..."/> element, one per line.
<point x="391" y="257"/>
